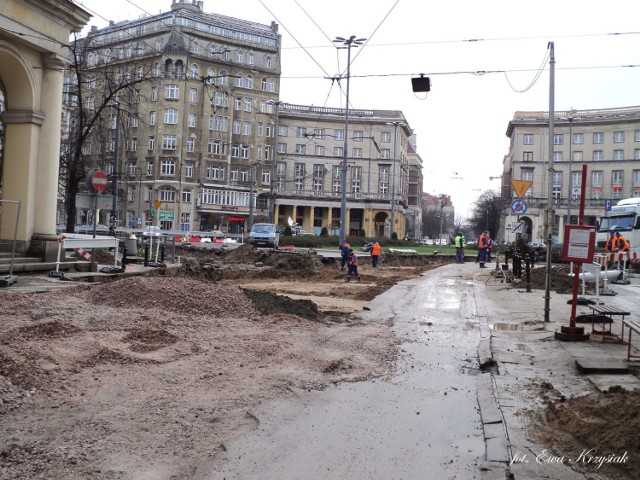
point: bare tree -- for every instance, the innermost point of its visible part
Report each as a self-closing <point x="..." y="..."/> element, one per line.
<point x="101" y="89"/>
<point x="486" y="212"/>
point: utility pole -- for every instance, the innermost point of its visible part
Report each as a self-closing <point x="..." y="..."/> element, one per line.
<point x="549" y="212"/>
<point x="393" y="179"/>
<point x="116" y="161"/>
<point x="274" y="151"/>
<point x="348" y="42"/>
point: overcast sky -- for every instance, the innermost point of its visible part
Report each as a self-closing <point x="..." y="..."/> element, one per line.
<point x="461" y="123"/>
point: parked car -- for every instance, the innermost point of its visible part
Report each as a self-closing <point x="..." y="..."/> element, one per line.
<point x="536" y="245"/>
<point x="264" y="235"/>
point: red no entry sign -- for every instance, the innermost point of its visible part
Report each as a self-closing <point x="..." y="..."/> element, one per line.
<point x="97" y="180"/>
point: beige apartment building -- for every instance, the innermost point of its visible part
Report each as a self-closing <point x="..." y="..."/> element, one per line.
<point x="310" y="151"/>
<point x="606" y="140"/>
<point x="179" y="144"/>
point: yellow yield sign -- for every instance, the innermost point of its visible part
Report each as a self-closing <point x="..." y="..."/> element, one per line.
<point x="520" y="187"/>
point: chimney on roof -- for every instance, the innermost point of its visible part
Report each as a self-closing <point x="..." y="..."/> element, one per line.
<point x="187" y="4"/>
<point x="94" y="29"/>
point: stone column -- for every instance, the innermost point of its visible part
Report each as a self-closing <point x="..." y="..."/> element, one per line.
<point x="49" y="149"/>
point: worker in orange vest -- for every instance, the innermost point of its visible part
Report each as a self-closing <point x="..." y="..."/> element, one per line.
<point x="617" y="243"/>
<point x="375" y="254"/>
<point x="352" y="265"/>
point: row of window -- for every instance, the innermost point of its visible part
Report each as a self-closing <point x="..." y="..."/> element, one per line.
<point x="338" y="135"/>
<point x="578" y="138"/>
<point x="578" y="156"/>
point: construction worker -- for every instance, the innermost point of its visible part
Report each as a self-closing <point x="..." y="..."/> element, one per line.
<point x="344" y="250"/>
<point x="489" y="246"/>
<point x="375" y="254"/>
<point x="459" y="243"/>
<point x="617" y="242"/>
<point x="483" y="243"/>
<point x="352" y="265"/>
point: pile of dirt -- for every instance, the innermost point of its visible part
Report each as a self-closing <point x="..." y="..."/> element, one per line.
<point x="598" y="433"/>
<point x="561" y="282"/>
<point x="146" y="376"/>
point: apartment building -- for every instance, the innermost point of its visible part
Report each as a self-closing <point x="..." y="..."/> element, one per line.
<point x="179" y="144"/>
<point x="606" y="140"/>
<point x="310" y="154"/>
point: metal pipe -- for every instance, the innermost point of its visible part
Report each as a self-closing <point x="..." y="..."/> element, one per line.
<point x="549" y="219"/>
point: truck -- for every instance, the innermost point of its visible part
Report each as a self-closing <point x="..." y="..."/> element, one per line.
<point x="625" y="218"/>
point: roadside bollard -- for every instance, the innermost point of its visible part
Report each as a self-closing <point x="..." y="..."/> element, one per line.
<point x="146" y="254"/>
<point x="162" y="253"/>
<point x="123" y="262"/>
<point x="517" y="265"/>
<point x="527" y="272"/>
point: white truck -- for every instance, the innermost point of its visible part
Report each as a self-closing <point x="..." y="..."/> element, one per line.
<point x="625" y="218"/>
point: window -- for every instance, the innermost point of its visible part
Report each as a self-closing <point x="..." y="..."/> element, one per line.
<point x="246" y="128"/>
<point x="357" y="153"/>
<point x="357" y="136"/>
<point x="338" y="152"/>
<point x="598" y="156"/>
<point x="169" y="142"/>
<point x="249" y="81"/>
<point x="618" y="154"/>
<point x="152" y="118"/>
<point x="150" y="168"/>
<point x="636" y="154"/>
<point x="298" y="170"/>
<point x="236" y="127"/>
<point x="636" y="136"/>
<point x="152" y="143"/>
<point x="385" y="154"/>
<point x="244" y="176"/>
<point x="598" y="137"/>
<point x="283" y="131"/>
<point x="268" y="62"/>
<point x="618" y="137"/>
<point x="260" y="129"/>
<point x="192" y="120"/>
<point x="238" y="103"/>
<point x="235" y="150"/>
<point x="557" y="156"/>
<point x="301" y="132"/>
<point x="240" y="56"/>
<point x="527" y="156"/>
<point x="386" y="137"/>
<point x="188" y="169"/>
<point x="527" y="139"/>
<point x="636" y="178"/>
<point x="557" y="178"/>
<point x="267" y="130"/>
<point x="339" y="135"/>
<point x="578" y="138"/>
<point x="263" y="84"/>
<point x="217" y="147"/>
<point x="265" y="177"/>
<point x="191" y="142"/>
<point x="193" y="95"/>
<point x="244" y="152"/>
<point x="172" y="91"/>
<point x="616" y="177"/>
<point x="596" y="178"/>
<point x="167" y="167"/>
<point x="239" y="81"/>
<point x="250" y="59"/>
<point x="167" y="194"/>
<point x="171" y="116"/>
<point x="248" y="103"/>
<point x="318" y="133"/>
<point x="134" y="144"/>
<point x="215" y="172"/>
<point x="272" y="85"/>
<point x="186" y="195"/>
<point x="154" y="94"/>
<point x="282" y="148"/>
<point x="557" y="139"/>
<point x="221" y="99"/>
<point x="259" y="152"/>
<point x="319" y="150"/>
<point x="383" y="179"/>
<point x="577" y="156"/>
<point x="233" y="175"/>
<point x="301" y="149"/>
<point x="195" y="70"/>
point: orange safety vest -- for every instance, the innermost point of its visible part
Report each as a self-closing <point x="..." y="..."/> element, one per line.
<point x="480" y="244"/>
<point x="610" y="243"/>
<point x="353" y="260"/>
<point x="623" y="244"/>
<point x="375" y="251"/>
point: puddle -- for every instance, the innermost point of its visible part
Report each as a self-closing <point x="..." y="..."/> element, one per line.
<point x="504" y="326"/>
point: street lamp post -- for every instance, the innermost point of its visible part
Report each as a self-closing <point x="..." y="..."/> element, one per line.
<point x="348" y="42"/>
<point x="274" y="151"/>
<point x="393" y="177"/>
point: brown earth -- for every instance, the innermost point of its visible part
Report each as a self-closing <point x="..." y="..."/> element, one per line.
<point x="146" y="377"/>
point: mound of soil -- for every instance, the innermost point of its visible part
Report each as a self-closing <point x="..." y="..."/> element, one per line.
<point x="561" y="282"/>
<point x="604" y="425"/>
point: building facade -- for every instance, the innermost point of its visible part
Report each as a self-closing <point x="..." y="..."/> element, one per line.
<point x="310" y="151"/>
<point x="607" y="141"/>
<point x="197" y="138"/>
<point x="193" y="111"/>
<point x="33" y="53"/>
